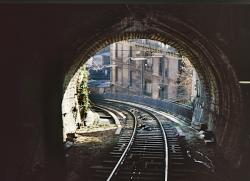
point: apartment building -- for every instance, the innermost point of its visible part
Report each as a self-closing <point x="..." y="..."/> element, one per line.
<point x="144" y="67"/>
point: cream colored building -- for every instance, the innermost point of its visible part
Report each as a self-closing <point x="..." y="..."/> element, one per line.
<point x="144" y="67"/>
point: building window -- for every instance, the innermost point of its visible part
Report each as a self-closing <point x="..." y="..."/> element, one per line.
<point x="116" y="74"/>
<point x="130" y="78"/>
<point x="148" y="64"/>
<point x="145" y="64"/>
<point x="148" y="87"/>
<point x="161" y="68"/>
<point x="165" y="92"/>
<point x="116" y="50"/>
<point x="159" y="93"/>
<point x="166" y="72"/>
<point x="130" y="51"/>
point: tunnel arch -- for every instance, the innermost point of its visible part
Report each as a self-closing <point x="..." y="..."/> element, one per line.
<point x="222" y="93"/>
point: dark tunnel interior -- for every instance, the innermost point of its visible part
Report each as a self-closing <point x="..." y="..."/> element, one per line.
<point x="45" y="44"/>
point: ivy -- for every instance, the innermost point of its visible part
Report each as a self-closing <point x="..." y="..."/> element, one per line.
<point x="82" y="91"/>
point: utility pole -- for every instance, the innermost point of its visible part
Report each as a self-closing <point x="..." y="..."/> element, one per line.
<point x="142" y="76"/>
<point x="111" y="75"/>
<point x="129" y="60"/>
<point x="142" y="71"/>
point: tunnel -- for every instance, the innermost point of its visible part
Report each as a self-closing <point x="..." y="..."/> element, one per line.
<point x="47" y="43"/>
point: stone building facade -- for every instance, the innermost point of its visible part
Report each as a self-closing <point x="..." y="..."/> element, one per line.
<point x="146" y="68"/>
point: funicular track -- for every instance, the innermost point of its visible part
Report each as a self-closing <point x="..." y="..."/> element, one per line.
<point x="140" y="153"/>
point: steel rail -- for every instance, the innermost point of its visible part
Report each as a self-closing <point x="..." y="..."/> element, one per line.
<point x="165" y="143"/>
<point x="164" y="138"/>
<point x="125" y="151"/>
<point x="117" y="122"/>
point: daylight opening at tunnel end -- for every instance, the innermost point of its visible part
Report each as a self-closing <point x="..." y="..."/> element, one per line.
<point x="142" y="72"/>
<point x="143" y="68"/>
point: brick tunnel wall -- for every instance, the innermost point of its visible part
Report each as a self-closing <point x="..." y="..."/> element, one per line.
<point x="70" y="117"/>
<point x="43" y="44"/>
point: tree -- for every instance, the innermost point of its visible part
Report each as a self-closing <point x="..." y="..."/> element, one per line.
<point x="184" y="80"/>
<point x="82" y="90"/>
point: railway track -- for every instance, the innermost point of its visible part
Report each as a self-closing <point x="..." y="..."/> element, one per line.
<point x="149" y="148"/>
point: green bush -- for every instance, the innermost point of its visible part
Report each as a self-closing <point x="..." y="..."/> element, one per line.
<point x="82" y="91"/>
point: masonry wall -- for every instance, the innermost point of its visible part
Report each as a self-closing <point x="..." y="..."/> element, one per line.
<point x="40" y="47"/>
<point x="70" y="107"/>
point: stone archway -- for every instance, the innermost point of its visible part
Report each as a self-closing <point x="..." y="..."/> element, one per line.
<point x="221" y="93"/>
